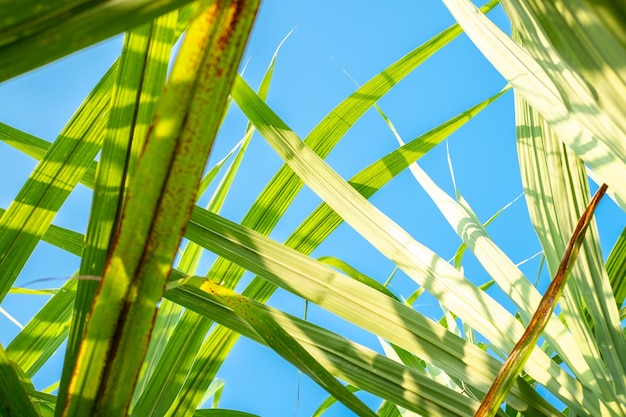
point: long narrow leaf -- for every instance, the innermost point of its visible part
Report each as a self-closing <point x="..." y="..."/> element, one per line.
<point x="313" y="230"/>
<point x="282" y="343"/>
<point x="54" y="178"/>
<point x="524" y="347"/>
<point x="616" y="269"/>
<point x="45" y="332"/>
<point x="557" y="192"/>
<point x="184" y="345"/>
<point x="14" y="401"/>
<point x="220" y="412"/>
<point x="188" y="116"/>
<point x="40" y="34"/>
<point x="421" y="264"/>
<point x="581" y="45"/>
<point x="140" y="78"/>
<point x="62" y="238"/>
<point x="354" y="302"/>
<point x="36" y="147"/>
<point x="566" y="102"/>
<point x="373" y="372"/>
<point x="172" y="332"/>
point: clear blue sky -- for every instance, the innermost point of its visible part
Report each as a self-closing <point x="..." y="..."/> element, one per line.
<point x="362" y="38"/>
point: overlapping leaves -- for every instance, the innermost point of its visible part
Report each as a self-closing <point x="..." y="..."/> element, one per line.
<point x="555" y="83"/>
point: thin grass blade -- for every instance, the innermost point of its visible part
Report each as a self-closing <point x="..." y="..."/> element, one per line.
<point x="328" y="402"/>
<point x="221" y="412"/>
<point x="187" y="118"/>
<point x="616" y="269"/>
<point x="354" y="302"/>
<point x="140" y="78"/>
<point x="14" y="400"/>
<point x="66" y="161"/>
<point x="556" y="189"/>
<point x="524" y="347"/>
<point x="45" y="332"/>
<point x="33" y="34"/>
<point x="554" y="90"/>
<point x="282" y="343"/>
<point x="322" y="221"/>
<point x="421" y="264"/>
<point x="354" y="274"/>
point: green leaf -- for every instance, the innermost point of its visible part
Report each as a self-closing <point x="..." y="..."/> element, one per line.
<point x="30" y="214"/>
<point x="352" y="301"/>
<point x="14" y="401"/>
<point x="328" y="402"/>
<point x="36" y="147"/>
<point x="45" y="332"/>
<point x="184" y="344"/>
<point x="221" y="412"/>
<point x="616" y="269"/>
<point x="422" y="265"/>
<point x="552" y="87"/>
<point x="62" y="238"/>
<point x="141" y="74"/>
<point x="172" y="332"/>
<point x="557" y="191"/>
<point x="587" y="41"/>
<point x="345" y="359"/>
<point x="33" y="33"/>
<point x="273" y="334"/>
<point x="354" y="274"/>
<point x="521" y="352"/>
<point x="188" y="115"/>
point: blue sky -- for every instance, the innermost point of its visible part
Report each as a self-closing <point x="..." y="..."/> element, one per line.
<point x="361" y="38"/>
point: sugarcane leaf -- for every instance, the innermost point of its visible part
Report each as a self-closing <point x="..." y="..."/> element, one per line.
<point x="33" y="33"/>
<point x="54" y="178"/>
<point x="368" y="370"/>
<point x="187" y="117"/>
<point x="14" y="400"/>
<point x="141" y="73"/>
<point x="553" y="89"/>
<point x="282" y="343"/>
<point x="514" y="363"/>
<point x="557" y="193"/>
<point x="421" y="264"/>
<point x="45" y="332"/>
